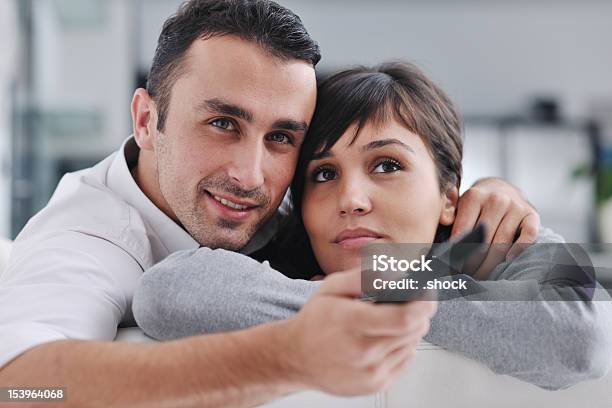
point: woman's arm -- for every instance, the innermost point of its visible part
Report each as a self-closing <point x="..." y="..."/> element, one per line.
<point x="539" y="336"/>
<point x="208" y="291"/>
<point x="550" y="343"/>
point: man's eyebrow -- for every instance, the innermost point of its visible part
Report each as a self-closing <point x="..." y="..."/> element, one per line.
<point x="217" y="105"/>
<point x="385" y="142"/>
<point x="376" y="144"/>
<point x="288" y="124"/>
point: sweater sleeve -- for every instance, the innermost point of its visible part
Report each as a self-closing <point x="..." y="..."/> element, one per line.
<point x="552" y="341"/>
<point x="208" y="291"/>
<point x="541" y="333"/>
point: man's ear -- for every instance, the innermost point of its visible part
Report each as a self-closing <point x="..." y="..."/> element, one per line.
<point x="144" y="119"/>
<point x="449" y="205"/>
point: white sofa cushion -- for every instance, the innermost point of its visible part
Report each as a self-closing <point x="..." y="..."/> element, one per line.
<point x="438" y="378"/>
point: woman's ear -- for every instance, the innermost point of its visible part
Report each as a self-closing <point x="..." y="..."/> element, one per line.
<point x="449" y="205"/>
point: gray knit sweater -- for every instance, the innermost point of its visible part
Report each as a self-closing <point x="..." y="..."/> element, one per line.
<point x="550" y="343"/>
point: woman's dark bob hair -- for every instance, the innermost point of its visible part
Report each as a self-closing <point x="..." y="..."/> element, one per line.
<point x="391" y="91"/>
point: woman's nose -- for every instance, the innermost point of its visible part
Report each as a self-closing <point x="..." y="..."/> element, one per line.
<point x="353" y="198"/>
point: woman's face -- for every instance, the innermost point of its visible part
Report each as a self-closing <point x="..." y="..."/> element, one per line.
<point x="382" y="188"/>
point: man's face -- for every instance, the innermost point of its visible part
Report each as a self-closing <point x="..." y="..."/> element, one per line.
<point x="236" y="120"/>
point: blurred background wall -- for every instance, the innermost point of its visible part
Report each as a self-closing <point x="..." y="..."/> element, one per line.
<point x="533" y="79"/>
<point x="8" y="75"/>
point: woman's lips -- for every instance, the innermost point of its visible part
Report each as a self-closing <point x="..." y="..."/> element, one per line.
<point x="357" y="242"/>
<point x="356" y="238"/>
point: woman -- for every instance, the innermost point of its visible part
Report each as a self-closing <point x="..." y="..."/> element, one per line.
<point x="376" y="134"/>
<point x="382" y="164"/>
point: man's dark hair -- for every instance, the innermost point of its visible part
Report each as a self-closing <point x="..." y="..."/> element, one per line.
<point x="273" y="27"/>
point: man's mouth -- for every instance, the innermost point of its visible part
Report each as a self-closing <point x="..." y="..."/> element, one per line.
<point x="232" y="207"/>
<point x="229" y="203"/>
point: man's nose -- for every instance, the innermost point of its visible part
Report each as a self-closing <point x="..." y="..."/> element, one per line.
<point x="353" y="198"/>
<point x="246" y="167"/>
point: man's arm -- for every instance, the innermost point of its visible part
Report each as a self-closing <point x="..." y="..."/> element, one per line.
<point x="335" y="344"/>
<point x="236" y="369"/>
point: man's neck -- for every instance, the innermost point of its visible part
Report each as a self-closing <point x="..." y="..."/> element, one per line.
<point x="144" y="173"/>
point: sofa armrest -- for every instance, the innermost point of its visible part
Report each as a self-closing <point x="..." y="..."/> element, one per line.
<point x="439" y="378"/>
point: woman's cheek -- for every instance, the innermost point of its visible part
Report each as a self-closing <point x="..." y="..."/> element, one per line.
<point x="412" y="215"/>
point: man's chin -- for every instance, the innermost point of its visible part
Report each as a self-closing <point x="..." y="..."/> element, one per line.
<point x="223" y="233"/>
<point x="233" y="240"/>
<point x="230" y="243"/>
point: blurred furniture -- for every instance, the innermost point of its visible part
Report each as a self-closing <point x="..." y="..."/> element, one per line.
<point x="555" y="163"/>
<point x="5" y="251"/>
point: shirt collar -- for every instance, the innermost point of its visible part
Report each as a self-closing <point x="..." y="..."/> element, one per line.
<point x="120" y="180"/>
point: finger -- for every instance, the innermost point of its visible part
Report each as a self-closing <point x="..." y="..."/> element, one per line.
<point x="400" y="367"/>
<point x="342" y="284"/>
<point x="501" y="243"/>
<point x="378" y="347"/>
<point x="530" y="226"/>
<point x="382" y="345"/>
<point x="509" y="226"/>
<point x="394" y="320"/>
<point x="495" y="256"/>
<point x="468" y="210"/>
<point x="491" y="216"/>
<point x="396" y="362"/>
<point x="391" y="319"/>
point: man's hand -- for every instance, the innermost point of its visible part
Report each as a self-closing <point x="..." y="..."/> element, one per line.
<point x="344" y="346"/>
<point x="506" y="214"/>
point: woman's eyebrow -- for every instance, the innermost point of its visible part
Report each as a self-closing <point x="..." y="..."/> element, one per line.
<point x="384" y="142"/>
<point x="376" y="144"/>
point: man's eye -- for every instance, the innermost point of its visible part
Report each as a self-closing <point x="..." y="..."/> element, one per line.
<point x="280" y="138"/>
<point x="324" y="174"/>
<point x="225" y="124"/>
<point x="387" y="166"/>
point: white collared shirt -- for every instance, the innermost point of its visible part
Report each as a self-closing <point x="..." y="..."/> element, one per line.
<point x="75" y="265"/>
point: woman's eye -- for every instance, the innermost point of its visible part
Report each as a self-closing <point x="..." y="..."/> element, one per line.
<point x="323" y="175"/>
<point x="223" y="124"/>
<point x="387" y="166"/>
<point x="280" y="138"/>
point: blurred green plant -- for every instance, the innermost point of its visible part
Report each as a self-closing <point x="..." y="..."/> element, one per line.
<point x="603" y="180"/>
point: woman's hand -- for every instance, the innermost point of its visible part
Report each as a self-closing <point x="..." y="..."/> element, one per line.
<point x="506" y="214"/>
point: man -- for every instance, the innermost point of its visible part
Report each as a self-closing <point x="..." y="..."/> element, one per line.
<point x="216" y="136"/>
